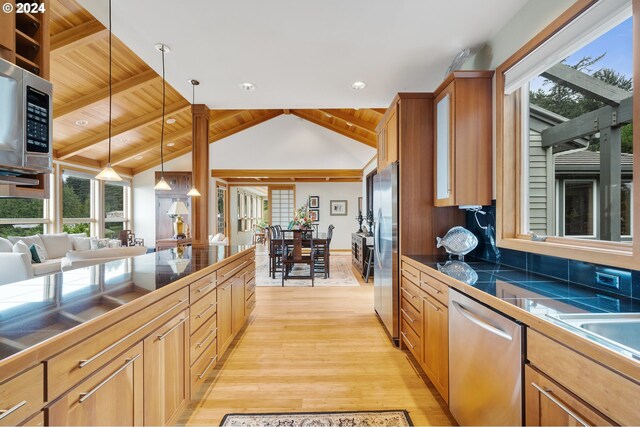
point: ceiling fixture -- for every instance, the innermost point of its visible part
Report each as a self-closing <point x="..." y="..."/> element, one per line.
<point x="108" y="174"/>
<point x="124" y="140"/>
<point x="162" y="185"/>
<point x="82" y="123"/>
<point x="247" y="86"/>
<point x="170" y="144"/>
<point x="171" y="121"/>
<point x="359" y="85"/>
<point x="194" y="191"/>
<point x="138" y="157"/>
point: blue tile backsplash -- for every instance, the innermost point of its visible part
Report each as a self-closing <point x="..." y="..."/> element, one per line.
<point x="576" y="272"/>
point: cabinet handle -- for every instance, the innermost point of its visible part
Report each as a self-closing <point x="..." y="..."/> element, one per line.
<point x="408" y="293"/>
<point x="6" y="412"/>
<point x="235" y="270"/>
<point x="430" y="303"/>
<point x="198" y="316"/>
<point x="548" y="394"/>
<point x="176" y="326"/>
<point x="408" y="317"/>
<point x="436" y="290"/>
<point x="408" y="273"/>
<point x="85" y="396"/>
<point x="206" y="287"/>
<point x="213" y="359"/>
<point x="84" y="362"/>
<point x="407" y="340"/>
<point x="209" y="335"/>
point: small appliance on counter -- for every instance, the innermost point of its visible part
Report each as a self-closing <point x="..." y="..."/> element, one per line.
<point x="26" y="116"/>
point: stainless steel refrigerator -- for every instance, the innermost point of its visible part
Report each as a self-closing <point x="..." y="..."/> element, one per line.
<point x="386" y="279"/>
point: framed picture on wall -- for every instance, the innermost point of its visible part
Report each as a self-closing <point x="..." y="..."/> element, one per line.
<point x="338" y="207"/>
<point x="314" y="202"/>
<point x="314" y="214"/>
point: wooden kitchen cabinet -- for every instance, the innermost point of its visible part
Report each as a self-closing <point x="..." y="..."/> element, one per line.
<point x="435" y="343"/>
<point x="388" y="139"/>
<point x="114" y="395"/>
<point x="549" y="404"/>
<point x="225" y="316"/>
<point x="464" y="139"/>
<point x="238" y="304"/>
<point x="166" y="371"/>
<point x="21" y="396"/>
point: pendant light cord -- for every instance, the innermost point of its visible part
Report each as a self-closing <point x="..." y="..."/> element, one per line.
<point x="162" y="131"/>
<point x="110" y="84"/>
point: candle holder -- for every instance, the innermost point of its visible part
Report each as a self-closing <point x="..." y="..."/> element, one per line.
<point x="370" y="222"/>
<point x="360" y="218"/>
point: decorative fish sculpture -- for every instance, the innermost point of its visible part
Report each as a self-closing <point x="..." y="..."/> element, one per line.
<point x="458" y="241"/>
<point x="459" y="270"/>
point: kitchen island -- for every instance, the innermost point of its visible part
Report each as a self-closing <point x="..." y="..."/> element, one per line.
<point x="125" y="342"/>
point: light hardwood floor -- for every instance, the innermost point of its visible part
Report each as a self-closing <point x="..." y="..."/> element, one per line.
<point x="315" y="349"/>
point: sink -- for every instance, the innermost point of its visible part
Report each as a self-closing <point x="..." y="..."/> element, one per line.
<point x="621" y="330"/>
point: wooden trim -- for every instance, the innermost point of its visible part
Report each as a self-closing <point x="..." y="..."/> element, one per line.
<point x="509" y="165"/>
<point x="371" y="142"/>
<point x="362" y="124"/>
<point x="126" y="85"/>
<point x="260" y="181"/>
<point x="286" y="173"/>
<point x="83" y="164"/>
<point x="75" y="37"/>
<point x="124" y="156"/>
<point x="457" y="75"/>
<point x="137" y="123"/>
<point x="374" y="159"/>
<point x="170" y="156"/>
<point x="200" y="178"/>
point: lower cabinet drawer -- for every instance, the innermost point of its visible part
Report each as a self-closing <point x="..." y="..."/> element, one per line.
<point x="200" y="287"/>
<point x="203" y="367"/>
<point x="36" y="420"/>
<point x="250" y="303"/>
<point x="412" y="316"/>
<point x="411" y="340"/>
<point x="411" y="273"/>
<point x="435" y="288"/>
<point x="22" y="396"/>
<point x="203" y="309"/>
<point x="412" y="293"/>
<point x="202" y="338"/>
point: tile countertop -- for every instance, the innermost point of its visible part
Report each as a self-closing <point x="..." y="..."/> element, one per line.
<point x="40" y="308"/>
<point x="537" y="295"/>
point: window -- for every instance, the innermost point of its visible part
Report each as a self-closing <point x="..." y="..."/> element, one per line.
<point x="21" y="217"/>
<point x="115" y="209"/>
<point x="282" y="205"/>
<point x="77" y="211"/>
<point x="565" y="137"/>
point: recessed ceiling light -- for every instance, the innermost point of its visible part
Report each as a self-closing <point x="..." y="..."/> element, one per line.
<point x="359" y="85"/>
<point x="170" y="144"/>
<point x="171" y="120"/>
<point x="247" y="86"/>
<point x="124" y="140"/>
<point x="82" y="123"/>
<point x="138" y="157"/>
<point x="328" y="115"/>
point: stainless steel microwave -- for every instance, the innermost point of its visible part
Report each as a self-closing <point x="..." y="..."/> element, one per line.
<point x="26" y="116"/>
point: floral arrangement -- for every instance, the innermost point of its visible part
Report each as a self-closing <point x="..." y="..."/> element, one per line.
<point x="301" y="218"/>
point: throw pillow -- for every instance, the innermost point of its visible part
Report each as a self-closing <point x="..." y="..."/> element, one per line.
<point x="38" y="254"/>
<point x="22" y="248"/>
<point x="29" y="240"/>
<point x="6" y="245"/>
<point x="99" y="243"/>
<point x="56" y="245"/>
<point x="81" y="243"/>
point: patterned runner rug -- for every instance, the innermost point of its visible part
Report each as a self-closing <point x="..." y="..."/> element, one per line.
<point x="319" y="419"/>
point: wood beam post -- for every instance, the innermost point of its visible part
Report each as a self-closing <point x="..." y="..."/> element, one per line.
<point x="200" y="171"/>
<point x="610" y="183"/>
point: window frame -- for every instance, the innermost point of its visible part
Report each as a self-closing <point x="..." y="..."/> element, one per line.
<point x="510" y="189"/>
<point x="561" y="207"/>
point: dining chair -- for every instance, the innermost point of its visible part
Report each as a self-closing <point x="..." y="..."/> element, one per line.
<point x="323" y="254"/>
<point x="275" y="250"/>
<point x="292" y="255"/>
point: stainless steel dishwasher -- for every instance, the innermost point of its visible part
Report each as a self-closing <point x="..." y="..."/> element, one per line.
<point x="485" y="364"/>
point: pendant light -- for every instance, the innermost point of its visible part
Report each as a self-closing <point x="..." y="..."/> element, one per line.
<point x="162" y="185"/>
<point x="194" y="191"/>
<point x="108" y="174"/>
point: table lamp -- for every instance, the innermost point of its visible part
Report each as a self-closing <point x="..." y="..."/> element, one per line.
<point x="176" y="211"/>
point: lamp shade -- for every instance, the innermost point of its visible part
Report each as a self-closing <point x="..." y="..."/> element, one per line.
<point x="178" y="208"/>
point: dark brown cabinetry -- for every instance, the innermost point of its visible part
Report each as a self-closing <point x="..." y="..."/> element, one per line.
<point x="360" y="252"/>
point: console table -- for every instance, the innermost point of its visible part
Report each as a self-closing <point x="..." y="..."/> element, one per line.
<point x="163" y="244"/>
<point x="360" y="251"/>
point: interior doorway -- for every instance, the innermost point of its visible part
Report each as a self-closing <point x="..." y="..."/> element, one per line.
<point x="248" y="212"/>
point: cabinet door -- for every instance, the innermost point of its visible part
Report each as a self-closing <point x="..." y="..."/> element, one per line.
<point x="436" y="344"/>
<point x="113" y="396"/>
<point x="548" y="404"/>
<point x="166" y="371"/>
<point x="382" y="151"/>
<point x="391" y="136"/>
<point x="238" y="304"/>
<point x="225" y="313"/>
<point x="444" y="129"/>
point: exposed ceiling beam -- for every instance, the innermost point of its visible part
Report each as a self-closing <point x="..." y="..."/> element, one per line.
<point x="95" y="164"/>
<point x="216" y="116"/>
<point x="137" y="123"/>
<point x="263" y="118"/>
<point x="362" y="124"/>
<point x="167" y="157"/>
<point x="285" y="174"/>
<point x="371" y="142"/>
<point x="126" y="85"/>
<point x="125" y="156"/>
<point x="287" y="111"/>
<point x="75" y="37"/>
<point x="250" y="182"/>
<point x="380" y="111"/>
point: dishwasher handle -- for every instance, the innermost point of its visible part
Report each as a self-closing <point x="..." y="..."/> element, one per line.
<point x="471" y="316"/>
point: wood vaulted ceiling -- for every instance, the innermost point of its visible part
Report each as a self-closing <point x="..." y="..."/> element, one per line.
<point x="79" y="73"/>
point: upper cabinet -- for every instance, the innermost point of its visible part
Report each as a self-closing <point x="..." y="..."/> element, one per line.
<point x="463" y="139"/>
<point x="388" y="139"/>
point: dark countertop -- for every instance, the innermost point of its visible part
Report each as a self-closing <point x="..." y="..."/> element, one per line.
<point x="536" y="294"/>
<point x="40" y="308"/>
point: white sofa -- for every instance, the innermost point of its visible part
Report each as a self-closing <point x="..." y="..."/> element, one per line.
<point x="61" y="255"/>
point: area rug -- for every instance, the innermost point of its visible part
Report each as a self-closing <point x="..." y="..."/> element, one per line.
<point x="319" y="419"/>
<point x="341" y="273"/>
